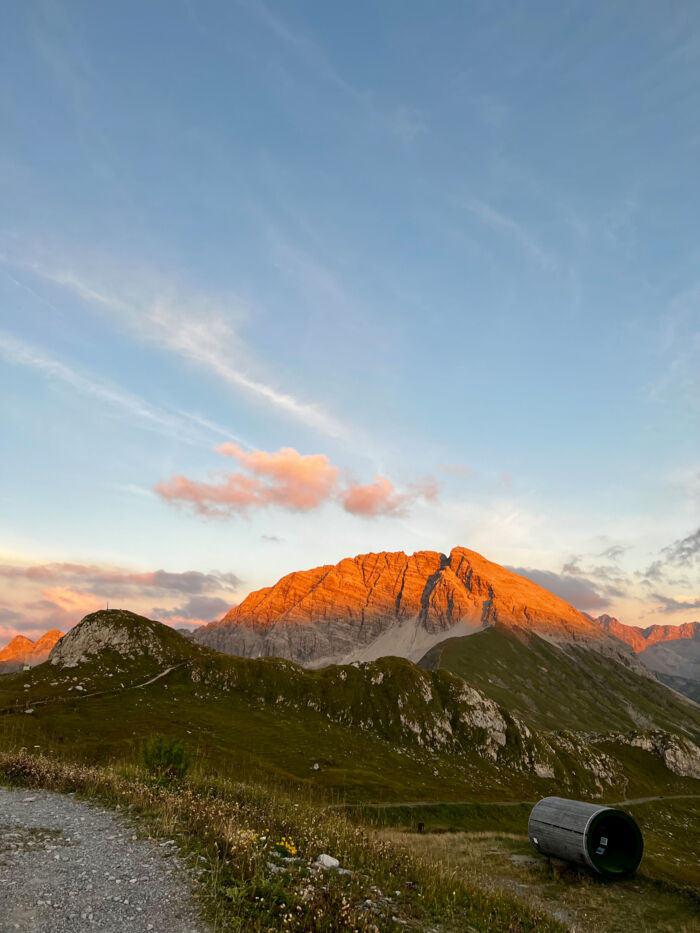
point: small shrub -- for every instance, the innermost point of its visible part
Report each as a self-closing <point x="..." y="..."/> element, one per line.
<point x="165" y="759"/>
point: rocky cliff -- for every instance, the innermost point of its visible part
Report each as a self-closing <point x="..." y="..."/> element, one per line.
<point x="393" y="604"/>
<point x="639" y="639"/>
<point x="21" y="651"/>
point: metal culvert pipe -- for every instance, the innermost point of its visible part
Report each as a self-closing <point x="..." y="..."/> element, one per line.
<point x="602" y="838"/>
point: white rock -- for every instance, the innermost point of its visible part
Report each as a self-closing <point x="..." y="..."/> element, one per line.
<point x="327" y="861"/>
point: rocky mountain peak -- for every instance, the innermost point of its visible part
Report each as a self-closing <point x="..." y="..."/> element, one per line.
<point x="22" y="650"/>
<point x="391" y="603"/>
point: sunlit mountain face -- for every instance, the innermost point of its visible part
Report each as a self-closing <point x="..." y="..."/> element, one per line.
<point x="392" y="603"/>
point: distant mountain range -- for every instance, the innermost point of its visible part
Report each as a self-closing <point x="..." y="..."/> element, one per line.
<point x="390" y="603"/>
<point x="672" y="652"/>
<point x="640" y="639"/>
<point x="21" y="651"/>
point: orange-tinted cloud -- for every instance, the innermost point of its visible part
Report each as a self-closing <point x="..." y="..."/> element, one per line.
<point x="295" y="480"/>
<point x="382" y="498"/>
<point x="38" y="597"/>
<point x="286" y="478"/>
<point x="71" y="601"/>
<point x="377" y="498"/>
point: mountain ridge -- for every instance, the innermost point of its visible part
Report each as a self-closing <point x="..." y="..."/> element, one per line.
<point x="22" y="650"/>
<point x="639" y="639"/>
<point x="387" y="602"/>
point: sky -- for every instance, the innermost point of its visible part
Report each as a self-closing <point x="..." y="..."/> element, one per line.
<point x="285" y="283"/>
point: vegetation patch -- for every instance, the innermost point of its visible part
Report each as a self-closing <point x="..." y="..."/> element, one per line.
<point x="235" y="831"/>
<point x="165" y="759"/>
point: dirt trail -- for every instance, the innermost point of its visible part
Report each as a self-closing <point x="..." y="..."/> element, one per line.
<point x="67" y="866"/>
<point x="503" y="803"/>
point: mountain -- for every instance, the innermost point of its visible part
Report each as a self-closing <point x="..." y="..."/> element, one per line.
<point x="379" y="730"/>
<point x="677" y="664"/>
<point x="640" y="639"/>
<point x="671" y="652"/>
<point x="115" y="636"/>
<point x="21" y="651"/>
<point x="389" y="603"/>
<point x="561" y="685"/>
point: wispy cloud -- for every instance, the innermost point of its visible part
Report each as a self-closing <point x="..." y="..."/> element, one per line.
<point x="678" y="345"/>
<point x="685" y="551"/>
<point x="614" y="552"/>
<point x="458" y="469"/>
<point x="404" y="123"/>
<point x="190" y="428"/>
<point x="516" y="231"/>
<point x="310" y="54"/>
<point x="670" y="604"/>
<point x="194" y="328"/>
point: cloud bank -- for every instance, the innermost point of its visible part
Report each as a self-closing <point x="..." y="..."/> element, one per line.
<point x="37" y="597"/>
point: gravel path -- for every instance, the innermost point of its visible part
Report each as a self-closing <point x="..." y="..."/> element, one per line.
<point x="67" y="866"/>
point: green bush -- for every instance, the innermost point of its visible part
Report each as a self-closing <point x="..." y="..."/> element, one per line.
<point x="165" y="759"/>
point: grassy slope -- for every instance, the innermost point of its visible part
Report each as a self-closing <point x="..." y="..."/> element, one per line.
<point x="691" y="688"/>
<point x="555" y="689"/>
<point x="270" y="722"/>
<point x="241" y="735"/>
<point x="273" y="721"/>
<point x="494" y="851"/>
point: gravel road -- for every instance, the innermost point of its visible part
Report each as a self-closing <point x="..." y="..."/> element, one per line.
<point x="67" y="866"/>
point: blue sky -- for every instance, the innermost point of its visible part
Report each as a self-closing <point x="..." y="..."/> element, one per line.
<point x="451" y="252"/>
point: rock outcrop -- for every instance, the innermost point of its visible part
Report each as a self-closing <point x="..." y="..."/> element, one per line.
<point x="393" y="604"/>
<point x="680" y="755"/>
<point x="21" y="651"/>
<point x="125" y="634"/>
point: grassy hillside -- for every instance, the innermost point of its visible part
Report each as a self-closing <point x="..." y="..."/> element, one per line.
<point x="281" y="753"/>
<point x="562" y="688"/>
<point x="371" y="732"/>
<point x="690" y="688"/>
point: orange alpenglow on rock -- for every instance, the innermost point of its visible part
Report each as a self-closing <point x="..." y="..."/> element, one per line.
<point x="639" y="639"/>
<point x="21" y="651"/>
<point x="390" y="603"/>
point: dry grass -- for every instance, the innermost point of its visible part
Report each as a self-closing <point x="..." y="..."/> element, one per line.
<point x="506" y="863"/>
<point x="259" y="848"/>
